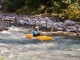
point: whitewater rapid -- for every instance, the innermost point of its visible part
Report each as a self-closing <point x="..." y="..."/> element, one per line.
<point x="15" y="46"/>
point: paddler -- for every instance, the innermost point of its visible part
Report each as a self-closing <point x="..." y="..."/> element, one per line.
<point x="36" y="32"/>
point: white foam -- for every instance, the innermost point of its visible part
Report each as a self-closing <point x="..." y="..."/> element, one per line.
<point x="5" y="31"/>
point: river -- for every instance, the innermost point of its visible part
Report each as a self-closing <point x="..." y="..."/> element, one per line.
<point x="15" y="46"/>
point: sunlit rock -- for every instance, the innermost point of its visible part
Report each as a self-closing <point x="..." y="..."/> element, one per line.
<point x="49" y="24"/>
<point x="68" y="22"/>
<point x="60" y="24"/>
<point x="54" y="25"/>
<point x="71" y="28"/>
<point x="43" y="23"/>
<point x="59" y="28"/>
<point x="78" y="29"/>
<point x="77" y="25"/>
<point x="32" y="23"/>
<point x="27" y="20"/>
<point x="38" y="23"/>
<point x="47" y="19"/>
<point x="21" y="22"/>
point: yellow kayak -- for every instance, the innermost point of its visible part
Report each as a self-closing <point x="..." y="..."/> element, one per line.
<point x="42" y="38"/>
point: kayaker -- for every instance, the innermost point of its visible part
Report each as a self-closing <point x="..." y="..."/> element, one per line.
<point x="36" y="32"/>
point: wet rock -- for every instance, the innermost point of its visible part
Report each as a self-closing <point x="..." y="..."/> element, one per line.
<point x="3" y="28"/>
<point x="43" y="23"/>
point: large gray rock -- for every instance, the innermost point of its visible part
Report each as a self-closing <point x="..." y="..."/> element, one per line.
<point x="21" y="22"/>
<point x="59" y="29"/>
<point x="60" y="24"/>
<point x="68" y="22"/>
<point x="43" y="23"/>
<point x="38" y="23"/>
<point x="78" y="29"/>
<point x="77" y="25"/>
<point x="32" y="22"/>
<point x="49" y="23"/>
<point x="54" y="26"/>
<point x="71" y="29"/>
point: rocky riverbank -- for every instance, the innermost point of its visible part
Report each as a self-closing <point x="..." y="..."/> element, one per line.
<point x="45" y="23"/>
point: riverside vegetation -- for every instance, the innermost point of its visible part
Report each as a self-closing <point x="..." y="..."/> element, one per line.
<point x="69" y="8"/>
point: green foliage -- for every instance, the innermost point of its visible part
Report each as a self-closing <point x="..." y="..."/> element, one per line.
<point x="71" y="8"/>
<point x="22" y="10"/>
<point x="58" y="6"/>
<point x="13" y="5"/>
<point x="73" y="11"/>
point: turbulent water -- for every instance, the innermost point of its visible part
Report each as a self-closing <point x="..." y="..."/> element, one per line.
<point x="15" y="46"/>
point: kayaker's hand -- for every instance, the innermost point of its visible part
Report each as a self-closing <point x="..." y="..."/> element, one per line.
<point x="40" y="33"/>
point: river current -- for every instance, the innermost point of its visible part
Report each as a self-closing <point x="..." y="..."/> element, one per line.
<point x="15" y="46"/>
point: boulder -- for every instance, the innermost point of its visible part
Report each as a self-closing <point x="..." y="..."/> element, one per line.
<point x="55" y="25"/>
<point x="78" y="29"/>
<point x="71" y="29"/>
<point x="38" y="23"/>
<point x="43" y="23"/>
<point x="69" y="22"/>
<point x="49" y="24"/>
<point x="60" y="29"/>
<point x="32" y="22"/>
<point x="60" y="24"/>
<point x="21" y="22"/>
<point x="77" y="25"/>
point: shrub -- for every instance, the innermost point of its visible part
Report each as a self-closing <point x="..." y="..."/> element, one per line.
<point x="73" y="11"/>
<point x="13" y="5"/>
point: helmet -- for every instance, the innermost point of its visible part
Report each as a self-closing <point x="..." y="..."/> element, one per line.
<point x="36" y="27"/>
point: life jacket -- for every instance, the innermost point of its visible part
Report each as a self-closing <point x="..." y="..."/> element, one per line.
<point x="35" y="32"/>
